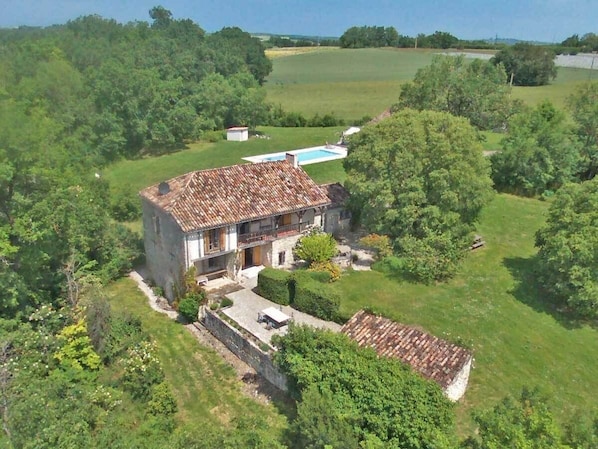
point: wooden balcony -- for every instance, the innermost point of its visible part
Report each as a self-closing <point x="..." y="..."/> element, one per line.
<point x="268" y="235"/>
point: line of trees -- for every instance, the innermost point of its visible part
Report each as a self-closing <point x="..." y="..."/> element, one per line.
<point x="378" y="36"/>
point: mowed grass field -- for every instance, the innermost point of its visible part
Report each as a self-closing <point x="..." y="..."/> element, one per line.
<point x="140" y="173"/>
<point x="354" y="83"/>
<point x="495" y="305"/>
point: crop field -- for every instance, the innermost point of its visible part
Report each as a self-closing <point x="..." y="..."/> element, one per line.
<point x="355" y="83"/>
<point x="350" y="83"/>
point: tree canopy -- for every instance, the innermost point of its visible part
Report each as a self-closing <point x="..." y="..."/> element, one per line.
<point x="421" y="179"/>
<point x="128" y="90"/>
<point x="583" y="105"/>
<point x="527" y="64"/>
<point x="350" y="395"/>
<point x="568" y="248"/>
<point x="539" y="153"/>
<point x="475" y="90"/>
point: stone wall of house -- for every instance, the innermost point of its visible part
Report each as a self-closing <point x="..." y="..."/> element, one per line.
<point x="244" y="348"/>
<point x="456" y="389"/>
<point x="164" y="245"/>
<point x="285" y="246"/>
<point x="334" y="224"/>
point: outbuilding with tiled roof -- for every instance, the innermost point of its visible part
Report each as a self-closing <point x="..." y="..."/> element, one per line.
<point x="436" y="359"/>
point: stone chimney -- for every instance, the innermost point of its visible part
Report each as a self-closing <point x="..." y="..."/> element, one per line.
<point x="292" y="159"/>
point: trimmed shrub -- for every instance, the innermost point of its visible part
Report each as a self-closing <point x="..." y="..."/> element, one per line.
<point x="315" y="298"/>
<point x="273" y="284"/>
<point x="315" y="247"/>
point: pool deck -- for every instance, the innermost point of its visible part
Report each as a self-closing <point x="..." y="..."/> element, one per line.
<point x="339" y="153"/>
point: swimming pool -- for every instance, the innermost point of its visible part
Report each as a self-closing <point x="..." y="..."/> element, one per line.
<point x="305" y="156"/>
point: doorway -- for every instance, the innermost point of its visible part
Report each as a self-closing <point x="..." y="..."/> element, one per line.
<point x="252" y="257"/>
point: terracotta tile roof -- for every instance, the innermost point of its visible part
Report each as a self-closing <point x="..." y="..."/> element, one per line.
<point x="434" y="358"/>
<point x="212" y="198"/>
<point x="336" y="193"/>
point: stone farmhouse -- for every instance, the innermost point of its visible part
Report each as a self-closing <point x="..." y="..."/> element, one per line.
<point x="226" y="220"/>
<point x="445" y="363"/>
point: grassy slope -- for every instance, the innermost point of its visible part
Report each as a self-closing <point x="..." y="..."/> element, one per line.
<point x="204" y="385"/>
<point x="495" y="304"/>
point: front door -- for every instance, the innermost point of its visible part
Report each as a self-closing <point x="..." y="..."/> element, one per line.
<point x="252" y="257"/>
<point x="247" y="258"/>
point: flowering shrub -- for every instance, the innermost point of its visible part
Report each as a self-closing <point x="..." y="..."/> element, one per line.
<point x="142" y="370"/>
<point x="379" y="243"/>
<point x="327" y="267"/>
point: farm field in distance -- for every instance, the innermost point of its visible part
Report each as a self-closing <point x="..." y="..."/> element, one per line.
<point x="355" y="83"/>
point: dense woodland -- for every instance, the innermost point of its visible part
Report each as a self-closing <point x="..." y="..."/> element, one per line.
<point x="75" y="97"/>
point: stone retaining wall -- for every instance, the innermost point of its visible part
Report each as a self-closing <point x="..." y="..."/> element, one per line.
<point x="244" y="348"/>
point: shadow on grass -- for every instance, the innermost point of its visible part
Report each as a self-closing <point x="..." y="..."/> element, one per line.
<point x="528" y="291"/>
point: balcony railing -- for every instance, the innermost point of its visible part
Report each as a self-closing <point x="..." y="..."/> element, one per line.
<point x="268" y="234"/>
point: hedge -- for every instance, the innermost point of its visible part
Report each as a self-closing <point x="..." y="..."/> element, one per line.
<point x="313" y="297"/>
<point x="273" y="284"/>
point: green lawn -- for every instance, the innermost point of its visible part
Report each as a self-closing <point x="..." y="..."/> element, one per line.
<point x="140" y="173"/>
<point x="558" y="90"/>
<point x="205" y="386"/>
<point x="495" y="304"/>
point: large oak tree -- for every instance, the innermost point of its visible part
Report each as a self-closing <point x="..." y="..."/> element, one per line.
<point x="421" y="179"/>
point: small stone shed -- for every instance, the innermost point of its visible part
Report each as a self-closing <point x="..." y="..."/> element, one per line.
<point x="439" y="360"/>
<point x="237" y="133"/>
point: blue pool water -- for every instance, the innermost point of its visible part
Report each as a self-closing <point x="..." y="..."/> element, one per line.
<point x="317" y="153"/>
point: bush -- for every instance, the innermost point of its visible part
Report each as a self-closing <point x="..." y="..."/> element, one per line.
<point x="273" y="284"/>
<point x="315" y="298"/>
<point x="391" y="265"/>
<point x="379" y="243"/>
<point x="189" y="307"/>
<point x="213" y="136"/>
<point x="316" y="247"/>
<point x="141" y="370"/>
<point x="226" y="302"/>
<point x="125" y="204"/>
<point x="163" y="402"/>
<point x="332" y="270"/>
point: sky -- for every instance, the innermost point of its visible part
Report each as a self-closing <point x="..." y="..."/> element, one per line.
<point x="534" y="20"/>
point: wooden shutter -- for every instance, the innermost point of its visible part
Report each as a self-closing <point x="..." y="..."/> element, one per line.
<point x="222" y="239"/>
<point x="257" y="255"/>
